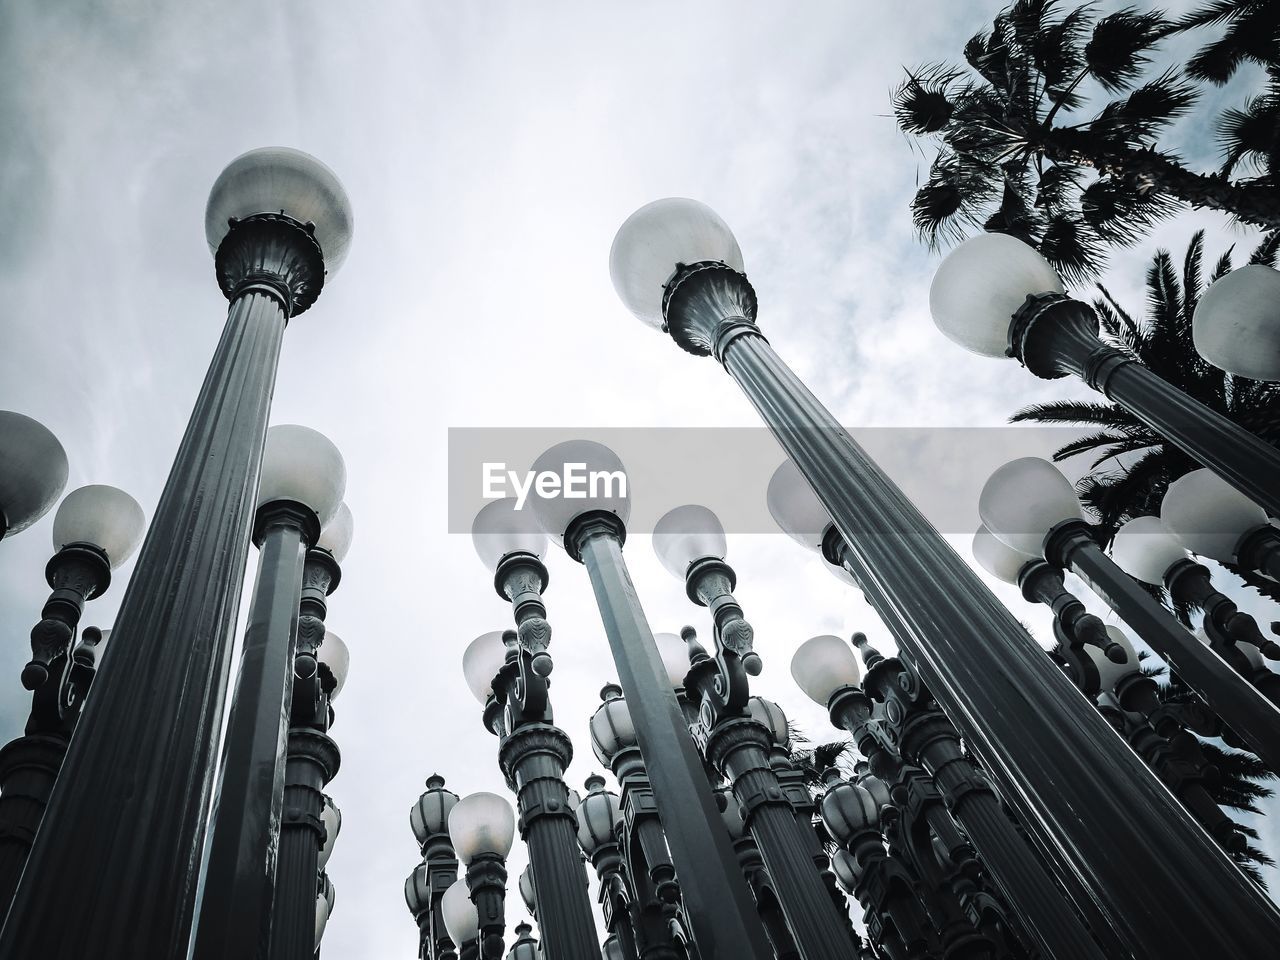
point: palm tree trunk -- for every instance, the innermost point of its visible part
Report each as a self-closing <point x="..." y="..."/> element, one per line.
<point x="1258" y="204"/>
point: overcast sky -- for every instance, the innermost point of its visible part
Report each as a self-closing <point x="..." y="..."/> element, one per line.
<point x="490" y="151"/>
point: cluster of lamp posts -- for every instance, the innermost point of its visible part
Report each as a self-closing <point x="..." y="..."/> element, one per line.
<point x="999" y="813"/>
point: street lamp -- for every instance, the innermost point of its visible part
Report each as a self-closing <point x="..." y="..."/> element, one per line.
<point x="302" y="481"/>
<point x="914" y="581"/>
<point x="482" y="828"/>
<point x="33" y="471"/>
<point x="311" y="819"/>
<point x="1031" y="506"/>
<point x="1236" y="325"/>
<point x="426" y="886"/>
<point x="1215" y="520"/>
<point x="461" y="920"/>
<point x="1147" y="550"/>
<point x="276" y="219"/>
<point x="592" y="529"/>
<point x="533" y="752"/>
<point x="997" y="296"/>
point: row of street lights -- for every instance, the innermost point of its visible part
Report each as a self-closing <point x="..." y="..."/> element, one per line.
<point x="1097" y="865"/>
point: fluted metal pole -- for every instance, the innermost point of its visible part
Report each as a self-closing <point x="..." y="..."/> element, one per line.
<point x="720" y="908"/>
<point x="1093" y="805"/>
<point x="130" y="805"/>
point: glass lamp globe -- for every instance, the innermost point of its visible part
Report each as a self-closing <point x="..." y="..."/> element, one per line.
<point x="482" y="661"/>
<point x="655" y="240"/>
<point x="500" y="529"/>
<point x="337" y="533"/>
<point x="104" y="516"/>
<point x="1236" y="326"/>
<point x="33" y="471"/>
<point x="848" y="809"/>
<point x="302" y="464"/>
<point x="525" y="947"/>
<point x="612" y="949"/>
<point x="1145" y="548"/>
<point x="430" y="815"/>
<point x="323" y="909"/>
<point x="1208" y="514"/>
<point x="335" y="655"/>
<point x="845" y="867"/>
<point x="980" y="285"/>
<point x="568" y="469"/>
<point x="688" y="534"/>
<point x="528" y="892"/>
<point x="795" y="507"/>
<point x="1023" y="499"/>
<point x="997" y="557"/>
<point x="675" y="657"/>
<point x="611" y="728"/>
<point x="772" y="717"/>
<point x="282" y="180"/>
<point x="481" y="823"/>
<point x="331" y="817"/>
<point x="417" y="890"/>
<point x="599" y="814"/>
<point x="461" y="921"/>
<point x="822" y="665"/>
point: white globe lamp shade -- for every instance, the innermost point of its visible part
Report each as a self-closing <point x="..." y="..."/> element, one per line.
<point x="577" y="477"/>
<point x="331" y="817"/>
<point x="1023" y="499"/>
<point x="282" y="180"/>
<point x="481" y="823"/>
<point x="322" y="918"/>
<point x="336" y="656"/>
<point x="612" y="730"/>
<point x="685" y="535"/>
<point x="500" y="529"/>
<point x="482" y="661"/>
<point x="1236" y="326"/>
<point x="823" y="664"/>
<point x="105" y="517"/>
<point x="675" y="657"/>
<point x="337" y="533"/>
<point x="1145" y="548"/>
<point x="461" y="921"/>
<point x="795" y="507"/>
<point x="997" y="557"/>
<point x="303" y="465"/>
<point x="655" y="240"/>
<point x="1209" y="515"/>
<point x="1109" y="674"/>
<point x="1249" y="651"/>
<point x="33" y="471"/>
<point x="980" y="285"/>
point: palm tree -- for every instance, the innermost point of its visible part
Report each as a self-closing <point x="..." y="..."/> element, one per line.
<point x="1018" y="153"/>
<point x="1133" y="465"/>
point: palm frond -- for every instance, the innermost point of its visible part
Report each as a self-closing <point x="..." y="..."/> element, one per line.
<point x="922" y="103"/>
<point x="1266" y="252"/>
<point x="1117" y="53"/>
<point x="1071" y="246"/>
<point x="1077" y="412"/>
<point x="1139" y="117"/>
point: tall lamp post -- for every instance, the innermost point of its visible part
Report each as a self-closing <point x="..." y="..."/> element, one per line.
<point x="426" y="886"/>
<point x="319" y="671"/>
<point x="997" y="296"/>
<point x="482" y="827"/>
<point x="303" y="479"/>
<point x="592" y="530"/>
<point x="676" y="265"/>
<point x="277" y="220"/>
<point x="533" y="752"/>
<point x="1031" y="506"/>
<point x="33" y="471"/>
<point x="96" y="529"/>
<point x="690" y="542"/>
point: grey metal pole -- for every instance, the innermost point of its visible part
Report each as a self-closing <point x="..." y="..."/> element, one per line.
<point x="130" y="805"/>
<point x="1054" y="335"/>
<point x="238" y="885"/>
<point x="720" y="907"/>
<point x="1093" y="805"/>
<point x="1240" y="704"/>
